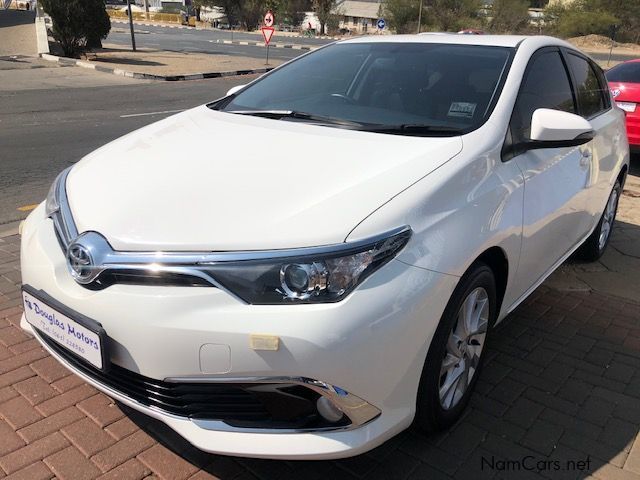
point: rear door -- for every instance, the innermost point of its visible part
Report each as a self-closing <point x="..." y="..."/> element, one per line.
<point x="556" y="179"/>
<point x="594" y="104"/>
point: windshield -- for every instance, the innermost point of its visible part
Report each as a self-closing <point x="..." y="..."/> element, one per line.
<point x="625" y="73"/>
<point x="409" y="88"/>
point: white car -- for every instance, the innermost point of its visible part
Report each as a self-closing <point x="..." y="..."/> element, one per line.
<point x="333" y="275"/>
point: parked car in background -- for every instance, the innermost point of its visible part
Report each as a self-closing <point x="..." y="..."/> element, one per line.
<point x="23" y="4"/>
<point x="268" y="304"/>
<point x="624" y="82"/>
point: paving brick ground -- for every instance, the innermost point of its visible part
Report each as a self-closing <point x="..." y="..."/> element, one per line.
<point x="560" y="392"/>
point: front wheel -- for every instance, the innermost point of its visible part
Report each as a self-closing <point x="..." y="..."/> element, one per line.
<point x="457" y="350"/>
<point x="594" y="246"/>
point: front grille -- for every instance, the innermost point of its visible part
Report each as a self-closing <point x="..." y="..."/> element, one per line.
<point x="195" y="400"/>
<point x="240" y="405"/>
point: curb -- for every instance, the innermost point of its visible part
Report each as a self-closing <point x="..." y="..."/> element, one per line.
<point x="320" y="38"/>
<point x="261" y="44"/>
<point x="10" y="229"/>
<point x="164" y="25"/>
<point x="149" y="76"/>
<point x="168" y="25"/>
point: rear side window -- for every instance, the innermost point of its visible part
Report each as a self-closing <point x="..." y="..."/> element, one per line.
<point x="625" y="73"/>
<point x="546" y="85"/>
<point x="591" y="94"/>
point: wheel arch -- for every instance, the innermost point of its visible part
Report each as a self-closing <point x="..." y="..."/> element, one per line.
<point x="622" y="177"/>
<point x="496" y="259"/>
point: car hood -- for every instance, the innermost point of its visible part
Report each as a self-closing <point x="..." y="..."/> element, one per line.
<point x="205" y="180"/>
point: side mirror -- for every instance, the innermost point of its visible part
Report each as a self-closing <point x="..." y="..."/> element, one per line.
<point x="233" y="90"/>
<point x="555" y="128"/>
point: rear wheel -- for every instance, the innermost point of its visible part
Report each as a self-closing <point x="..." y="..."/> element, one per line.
<point x="594" y="246"/>
<point x="457" y="350"/>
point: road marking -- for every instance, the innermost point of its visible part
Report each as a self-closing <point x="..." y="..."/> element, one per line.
<point x="27" y="208"/>
<point x="151" y="113"/>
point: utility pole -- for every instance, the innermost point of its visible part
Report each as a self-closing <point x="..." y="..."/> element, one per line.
<point x="133" y="37"/>
<point x="420" y="16"/>
<point x="146" y="9"/>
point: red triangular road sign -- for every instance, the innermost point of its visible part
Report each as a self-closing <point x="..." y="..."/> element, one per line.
<point x="267" y="33"/>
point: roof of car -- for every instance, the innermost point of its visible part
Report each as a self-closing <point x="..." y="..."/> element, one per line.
<point x="454" y="38"/>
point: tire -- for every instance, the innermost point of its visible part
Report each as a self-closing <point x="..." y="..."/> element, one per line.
<point x="594" y="246"/>
<point x="436" y="411"/>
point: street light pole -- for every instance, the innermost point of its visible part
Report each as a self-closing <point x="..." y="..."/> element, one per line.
<point x="420" y="16"/>
<point x="133" y="37"/>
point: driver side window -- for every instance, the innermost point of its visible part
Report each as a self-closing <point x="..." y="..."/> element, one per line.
<point x="545" y="85"/>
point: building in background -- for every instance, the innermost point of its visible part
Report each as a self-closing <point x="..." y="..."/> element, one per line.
<point x="358" y="16"/>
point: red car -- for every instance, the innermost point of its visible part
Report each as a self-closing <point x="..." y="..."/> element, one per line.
<point x="624" y="82"/>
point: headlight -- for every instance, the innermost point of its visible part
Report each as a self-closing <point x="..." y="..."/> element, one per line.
<point x="52" y="204"/>
<point x="326" y="276"/>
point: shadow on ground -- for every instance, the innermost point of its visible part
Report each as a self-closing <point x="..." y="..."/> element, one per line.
<point x="127" y="61"/>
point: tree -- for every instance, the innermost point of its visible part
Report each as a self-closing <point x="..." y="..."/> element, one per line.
<point x="78" y="25"/>
<point x="231" y="10"/>
<point x="627" y="14"/>
<point x="324" y="9"/>
<point x="453" y="15"/>
<point x="249" y="13"/>
<point x="538" y="3"/>
<point x="292" y="12"/>
<point x="402" y="14"/>
<point x="509" y="16"/>
<point x="583" y="17"/>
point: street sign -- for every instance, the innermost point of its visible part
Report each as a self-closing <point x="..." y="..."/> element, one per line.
<point x="268" y="19"/>
<point x="381" y="23"/>
<point x="267" y="33"/>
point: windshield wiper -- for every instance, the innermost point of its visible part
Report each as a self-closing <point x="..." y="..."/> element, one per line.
<point x="415" y="129"/>
<point x="278" y="114"/>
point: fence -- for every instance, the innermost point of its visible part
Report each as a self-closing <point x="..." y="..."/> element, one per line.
<point x="152" y="16"/>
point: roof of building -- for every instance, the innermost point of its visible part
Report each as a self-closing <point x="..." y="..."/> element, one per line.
<point x="358" y="8"/>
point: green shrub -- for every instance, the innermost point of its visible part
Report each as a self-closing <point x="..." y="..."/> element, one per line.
<point x="78" y="25"/>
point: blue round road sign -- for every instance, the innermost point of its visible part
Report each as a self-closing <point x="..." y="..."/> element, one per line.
<point x="381" y="23"/>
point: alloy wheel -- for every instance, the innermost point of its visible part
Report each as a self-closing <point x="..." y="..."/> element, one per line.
<point x="464" y="348"/>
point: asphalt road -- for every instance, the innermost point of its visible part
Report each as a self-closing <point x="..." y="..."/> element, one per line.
<point x="204" y="41"/>
<point x="615" y="57"/>
<point x="207" y="41"/>
<point x="51" y="117"/>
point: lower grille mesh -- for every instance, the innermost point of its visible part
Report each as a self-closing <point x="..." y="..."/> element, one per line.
<point x="226" y="402"/>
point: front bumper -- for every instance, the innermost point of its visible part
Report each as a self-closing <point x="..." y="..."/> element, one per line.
<point x="372" y="344"/>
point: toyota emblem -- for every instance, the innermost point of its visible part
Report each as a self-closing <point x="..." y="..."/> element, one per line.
<point x="80" y="263"/>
